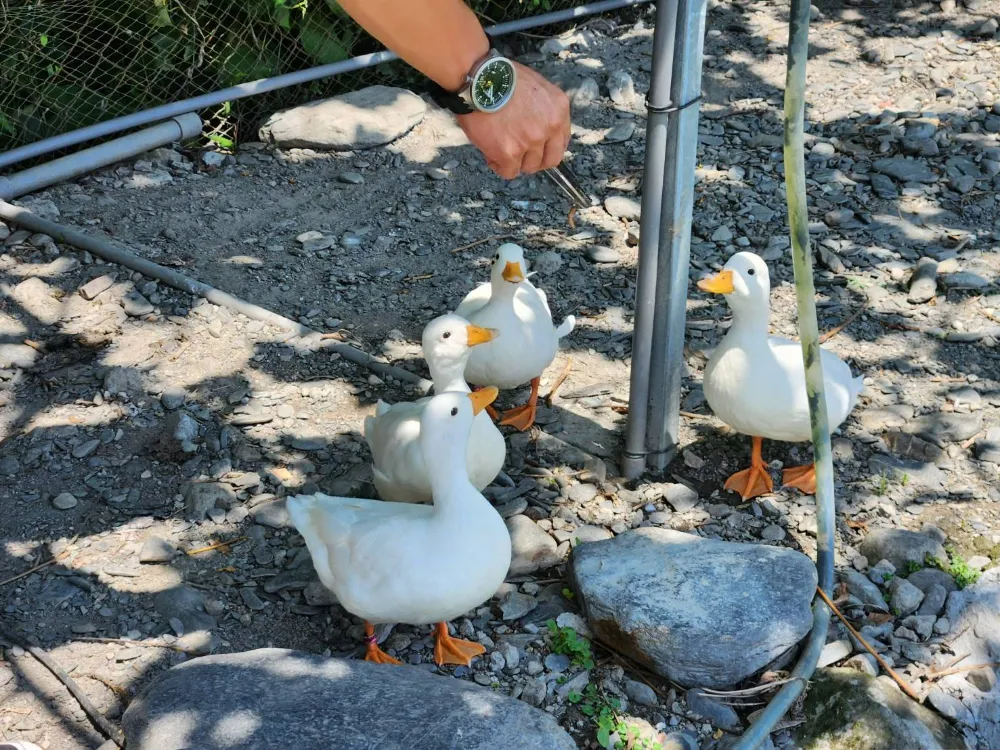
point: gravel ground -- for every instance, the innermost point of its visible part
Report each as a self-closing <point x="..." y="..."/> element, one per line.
<point x="136" y="408"/>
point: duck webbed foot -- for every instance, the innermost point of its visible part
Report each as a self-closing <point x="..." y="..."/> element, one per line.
<point x="802" y="478"/>
<point x="372" y="652"/>
<point x="753" y="481"/>
<point x="448" y="650"/>
<point x="522" y="417"/>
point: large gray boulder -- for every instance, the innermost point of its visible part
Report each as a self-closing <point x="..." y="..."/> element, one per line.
<point x="901" y="547"/>
<point x="371" y="117"/>
<point x="848" y="710"/>
<point x="974" y="613"/>
<point x="276" y="698"/>
<point x="701" y="612"/>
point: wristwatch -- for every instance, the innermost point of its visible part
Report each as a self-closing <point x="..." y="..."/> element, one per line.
<point x="487" y="88"/>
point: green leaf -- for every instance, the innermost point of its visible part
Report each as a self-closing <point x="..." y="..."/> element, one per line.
<point x="320" y="39"/>
<point x="44" y="40"/>
<point x="247" y="64"/>
<point x="587" y="709"/>
<point x="221" y="140"/>
<point x="604" y="736"/>
<point x="6" y="125"/>
<point x="574" y="696"/>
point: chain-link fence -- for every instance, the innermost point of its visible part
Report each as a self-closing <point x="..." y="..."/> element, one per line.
<point x="65" y="64"/>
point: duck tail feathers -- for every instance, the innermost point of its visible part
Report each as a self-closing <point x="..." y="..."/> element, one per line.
<point x="857" y="385"/>
<point x="300" y="507"/>
<point x="566" y="327"/>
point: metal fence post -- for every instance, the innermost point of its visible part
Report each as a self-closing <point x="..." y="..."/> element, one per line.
<point x="657" y="106"/>
<point x="666" y="360"/>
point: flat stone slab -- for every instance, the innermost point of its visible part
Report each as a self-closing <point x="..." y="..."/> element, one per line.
<point x="371" y="117"/>
<point x="701" y="612"/>
<point x="276" y="698"/>
<point x="901" y="547"/>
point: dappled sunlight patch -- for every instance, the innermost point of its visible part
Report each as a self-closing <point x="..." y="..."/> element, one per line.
<point x="236" y="728"/>
<point x="64" y="419"/>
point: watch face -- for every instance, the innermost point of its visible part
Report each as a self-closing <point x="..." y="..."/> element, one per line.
<point x="493" y="84"/>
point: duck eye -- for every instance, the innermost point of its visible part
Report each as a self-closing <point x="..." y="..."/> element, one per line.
<point x="446" y="335"/>
<point x="454" y="411"/>
<point x="751" y="272"/>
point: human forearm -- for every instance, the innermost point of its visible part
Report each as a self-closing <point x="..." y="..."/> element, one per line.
<point x="442" y="39"/>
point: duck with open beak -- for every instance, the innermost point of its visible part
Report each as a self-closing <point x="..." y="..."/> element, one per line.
<point x="528" y="340"/>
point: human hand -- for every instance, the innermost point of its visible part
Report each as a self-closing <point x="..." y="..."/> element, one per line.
<point x="530" y="133"/>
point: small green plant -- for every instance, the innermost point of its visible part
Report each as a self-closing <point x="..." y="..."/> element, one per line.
<point x="886" y="577"/>
<point x="881" y="483"/>
<point x="568" y="593"/>
<point x="956" y="566"/>
<point x="566" y="641"/>
<point x="603" y="711"/>
<point x="904" y="480"/>
<point x="912" y="566"/>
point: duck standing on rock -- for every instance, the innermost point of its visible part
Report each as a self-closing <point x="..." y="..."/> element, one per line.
<point x="393" y="433"/>
<point x="756" y="383"/>
<point x="527" y="341"/>
<point x="412" y="563"/>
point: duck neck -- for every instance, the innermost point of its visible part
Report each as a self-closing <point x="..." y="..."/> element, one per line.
<point x="449" y="475"/>
<point x="504" y="290"/>
<point x="749" y="323"/>
<point x="448" y="376"/>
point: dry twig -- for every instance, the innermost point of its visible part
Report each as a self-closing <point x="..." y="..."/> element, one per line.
<point x="483" y="241"/>
<point x="959" y="670"/>
<point x="218" y="545"/>
<point x="29" y="571"/>
<point x="850" y="319"/>
<point x="882" y="663"/>
<point x="126" y="641"/>
<point x="559" y="381"/>
<point x="108" y="729"/>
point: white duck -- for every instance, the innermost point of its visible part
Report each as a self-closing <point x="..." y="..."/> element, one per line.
<point x="417" y="564"/>
<point x="756" y="383"/>
<point x="528" y="340"/>
<point x="393" y="432"/>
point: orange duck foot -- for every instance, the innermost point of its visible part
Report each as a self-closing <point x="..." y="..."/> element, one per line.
<point x="520" y="417"/>
<point x="802" y="478"/>
<point x="448" y="650"/>
<point x="753" y="481"/>
<point x="372" y="652"/>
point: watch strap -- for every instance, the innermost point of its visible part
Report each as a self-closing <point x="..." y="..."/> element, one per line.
<point x="452" y="101"/>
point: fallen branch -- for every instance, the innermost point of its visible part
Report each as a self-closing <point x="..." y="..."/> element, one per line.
<point x="882" y="663"/>
<point x="108" y="729"/>
<point x="29" y="571"/>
